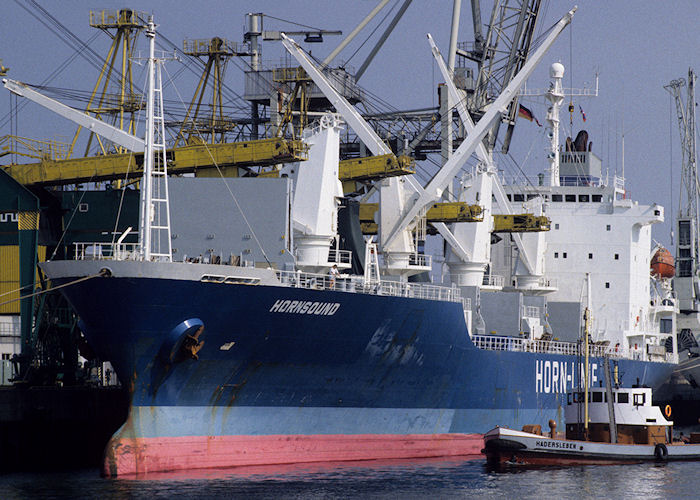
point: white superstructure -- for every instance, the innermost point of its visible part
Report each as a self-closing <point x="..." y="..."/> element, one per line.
<point x="596" y="230"/>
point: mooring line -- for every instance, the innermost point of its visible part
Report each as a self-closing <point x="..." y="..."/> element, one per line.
<point x="102" y="272"/>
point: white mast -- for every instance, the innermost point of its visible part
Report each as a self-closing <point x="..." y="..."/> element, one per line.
<point x="154" y="224"/>
<point x="555" y="96"/>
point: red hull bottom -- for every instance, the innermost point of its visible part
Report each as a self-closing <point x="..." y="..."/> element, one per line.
<point x="143" y="455"/>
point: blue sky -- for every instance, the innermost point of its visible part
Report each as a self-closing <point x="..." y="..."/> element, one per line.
<point x="635" y="46"/>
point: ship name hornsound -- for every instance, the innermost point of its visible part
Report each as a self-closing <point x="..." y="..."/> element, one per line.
<point x="305" y="307"/>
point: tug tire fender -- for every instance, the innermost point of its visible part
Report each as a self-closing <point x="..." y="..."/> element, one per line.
<point x="661" y="452"/>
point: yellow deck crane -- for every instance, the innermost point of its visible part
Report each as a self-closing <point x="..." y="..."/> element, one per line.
<point x="127" y="165"/>
<point x="520" y="223"/>
<point x="447" y="212"/>
<point x="450" y="212"/>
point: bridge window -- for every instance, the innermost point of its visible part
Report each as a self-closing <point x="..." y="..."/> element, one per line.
<point x="570" y="197"/>
<point x="518" y="197"/>
<point x="623" y="397"/>
<point x="579" y="397"/>
<point x="597" y="198"/>
<point x="583" y="198"/>
<point x="638" y="399"/>
<point x="597" y="397"/>
<point x="557" y="197"/>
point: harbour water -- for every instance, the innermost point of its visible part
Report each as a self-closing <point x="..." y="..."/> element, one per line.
<point x="461" y="478"/>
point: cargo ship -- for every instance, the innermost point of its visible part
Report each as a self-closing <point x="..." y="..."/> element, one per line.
<point x="286" y="371"/>
<point x="254" y="342"/>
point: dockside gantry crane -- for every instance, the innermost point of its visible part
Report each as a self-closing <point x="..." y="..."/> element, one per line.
<point x="686" y="282"/>
<point x="499" y="55"/>
<point x="114" y="93"/>
<point x="114" y="162"/>
<point x="195" y="127"/>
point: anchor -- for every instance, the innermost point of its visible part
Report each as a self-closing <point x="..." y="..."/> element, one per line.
<point x="191" y="344"/>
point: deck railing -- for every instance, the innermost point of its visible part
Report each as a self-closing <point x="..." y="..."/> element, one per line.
<point x="419" y="259"/>
<point x="493" y="280"/>
<point x="9" y="330"/>
<point x="503" y="343"/>
<point x="108" y="251"/>
<point x="531" y="312"/>
<point x="499" y="343"/>
<point x="358" y="284"/>
<point x="340" y="256"/>
<point x="519" y="344"/>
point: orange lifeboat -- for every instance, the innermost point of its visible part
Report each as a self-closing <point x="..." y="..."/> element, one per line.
<point x="662" y="265"/>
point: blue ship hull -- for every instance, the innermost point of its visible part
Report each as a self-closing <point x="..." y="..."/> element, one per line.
<point x="281" y="363"/>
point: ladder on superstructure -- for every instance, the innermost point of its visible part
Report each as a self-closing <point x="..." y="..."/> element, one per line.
<point x="155" y="207"/>
<point x="371" y="264"/>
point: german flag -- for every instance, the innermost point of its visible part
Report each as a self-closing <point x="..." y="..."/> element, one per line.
<point x="523" y="112"/>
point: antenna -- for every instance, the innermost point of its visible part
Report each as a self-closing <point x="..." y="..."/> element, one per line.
<point x="555" y="94"/>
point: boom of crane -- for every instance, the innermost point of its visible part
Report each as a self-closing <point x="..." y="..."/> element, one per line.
<point x="438" y="212"/>
<point x="484" y="185"/>
<point x="474" y="140"/>
<point x="185" y="159"/>
<point x="109" y="132"/>
<point x="686" y="282"/>
<point x="376" y="167"/>
<point x="402" y="257"/>
<point x="396" y="242"/>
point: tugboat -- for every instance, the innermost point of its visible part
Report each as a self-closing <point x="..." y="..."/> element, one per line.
<point x="622" y="427"/>
<point x="604" y="425"/>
